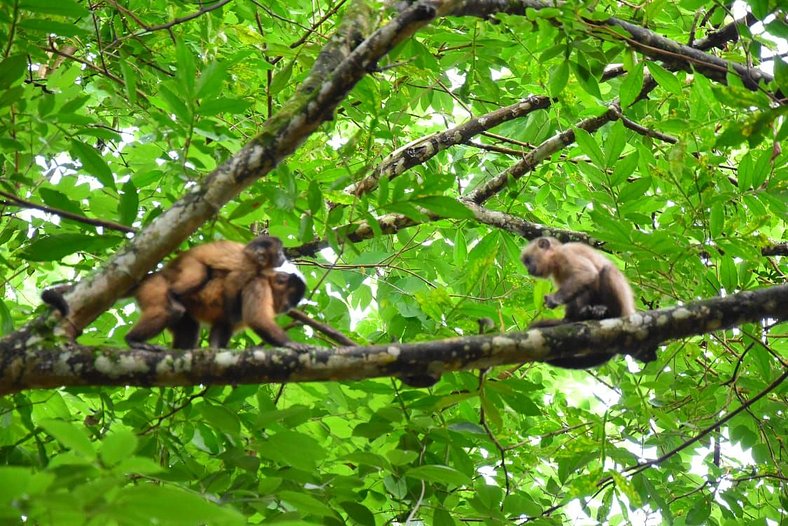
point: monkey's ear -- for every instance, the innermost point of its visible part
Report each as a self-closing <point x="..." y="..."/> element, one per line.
<point x="543" y="243"/>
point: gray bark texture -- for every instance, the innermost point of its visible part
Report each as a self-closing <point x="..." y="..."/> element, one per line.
<point x="22" y="369"/>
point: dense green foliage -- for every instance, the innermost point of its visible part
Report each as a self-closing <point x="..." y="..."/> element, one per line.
<point x="120" y="122"/>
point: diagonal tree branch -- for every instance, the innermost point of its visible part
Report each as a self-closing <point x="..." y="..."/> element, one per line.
<point x="89" y="366"/>
<point x="340" y="65"/>
<point x="728" y="33"/>
<point x="425" y="148"/>
<point x="533" y="158"/>
<point x="644" y="40"/>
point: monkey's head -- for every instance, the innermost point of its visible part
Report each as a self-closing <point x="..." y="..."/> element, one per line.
<point x="537" y="256"/>
<point x="266" y="252"/>
<point x="288" y="290"/>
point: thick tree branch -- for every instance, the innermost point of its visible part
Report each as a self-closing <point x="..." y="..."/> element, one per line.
<point x="89" y="366"/>
<point x="721" y="37"/>
<point x="340" y="65"/>
<point x="644" y="40"/>
<point x="389" y="224"/>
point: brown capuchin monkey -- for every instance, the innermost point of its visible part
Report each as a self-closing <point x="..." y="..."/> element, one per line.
<point x="225" y="284"/>
<point x="589" y="286"/>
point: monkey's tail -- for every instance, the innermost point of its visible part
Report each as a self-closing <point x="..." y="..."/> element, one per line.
<point x="54" y="297"/>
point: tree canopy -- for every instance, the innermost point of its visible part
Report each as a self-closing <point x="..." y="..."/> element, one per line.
<point x="404" y="152"/>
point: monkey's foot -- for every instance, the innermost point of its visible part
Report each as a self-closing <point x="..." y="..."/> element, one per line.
<point x="420" y="380"/>
<point x="593" y="312"/>
<point x="550" y="302"/>
<point x="298" y="347"/>
<point x="143" y="346"/>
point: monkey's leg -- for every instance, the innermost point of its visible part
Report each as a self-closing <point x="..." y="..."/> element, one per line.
<point x="583" y="282"/>
<point x="220" y="335"/>
<point x="151" y="323"/>
<point x="185" y="333"/>
<point x="191" y="275"/>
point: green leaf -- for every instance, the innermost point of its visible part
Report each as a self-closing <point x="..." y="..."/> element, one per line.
<point x="72" y="437"/>
<point x="521" y="504"/>
<point x="762" y="168"/>
<point x="223" y="105"/>
<point x="781" y="73"/>
<point x="315" y="198"/>
<point x="439" y="474"/>
<point x="700" y="512"/>
<point x="631" y="86"/>
<point x="146" y="503"/>
<point x="664" y="78"/>
<point x="117" y="446"/>
<point x="306" y="504"/>
<point x="187" y="71"/>
<point x="211" y="80"/>
<point x="128" y="204"/>
<point x="615" y="143"/>
<point x="444" y="206"/>
<point x="47" y="26"/>
<point x="635" y="190"/>
<point x="93" y="163"/>
<point x="6" y="321"/>
<point x="67" y="8"/>
<point x="221" y="418"/>
<point x="12" y="69"/>
<point x="359" y="513"/>
<point x="138" y="466"/>
<point x="174" y="103"/>
<point x="589" y="147"/>
<point x="586" y="80"/>
<point x="716" y="220"/>
<point x="130" y="81"/>
<point x="728" y="275"/>
<point x="290" y="448"/>
<point x="624" y="168"/>
<point x="55" y="247"/>
<point x="559" y="78"/>
<point x="281" y="79"/>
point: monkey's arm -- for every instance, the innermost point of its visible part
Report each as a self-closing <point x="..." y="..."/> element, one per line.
<point x="579" y="277"/>
<point x="186" y="275"/>
<point x="157" y="312"/>
<point x="258" y="312"/>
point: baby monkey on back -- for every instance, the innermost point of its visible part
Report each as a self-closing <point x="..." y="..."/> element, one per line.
<point x="225" y="284"/>
<point x="589" y="286"/>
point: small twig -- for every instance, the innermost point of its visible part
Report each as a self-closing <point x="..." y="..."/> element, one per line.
<point x="18" y="201"/>
<point x="637" y="468"/>
<point x="642" y="130"/>
<point x="496" y="149"/>
<point x="778" y="249"/>
<point x="321" y="327"/>
<point x="181" y="407"/>
<point x="181" y="20"/>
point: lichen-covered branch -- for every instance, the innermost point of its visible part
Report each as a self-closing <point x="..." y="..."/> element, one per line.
<point x="425" y="148"/>
<point x="393" y="223"/>
<point x="89" y="366"/>
<point x="649" y="43"/>
<point x="539" y="154"/>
